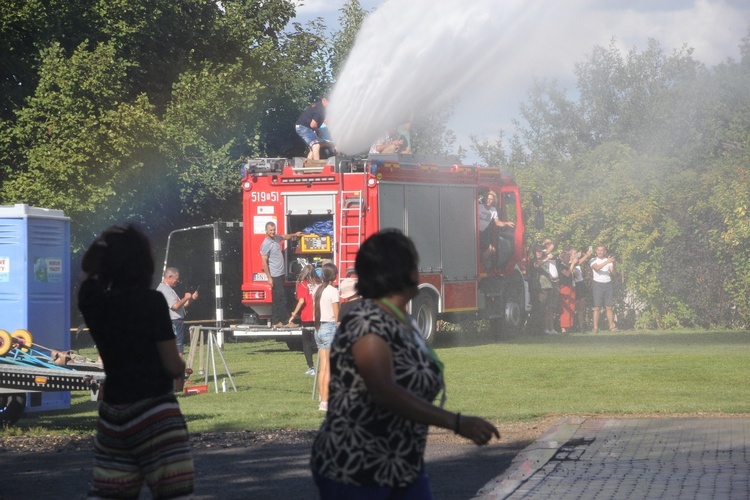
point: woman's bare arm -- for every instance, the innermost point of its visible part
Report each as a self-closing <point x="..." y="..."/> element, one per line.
<point x="374" y="360"/>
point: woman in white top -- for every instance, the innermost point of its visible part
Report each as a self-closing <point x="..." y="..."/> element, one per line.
<point x="603" y="268"/>
<point x="326" y="301"/>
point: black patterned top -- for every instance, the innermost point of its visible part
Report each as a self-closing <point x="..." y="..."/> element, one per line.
<point x="360" y="443"/>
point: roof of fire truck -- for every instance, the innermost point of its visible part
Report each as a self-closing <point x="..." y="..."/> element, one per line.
<point x="382" y="164"/>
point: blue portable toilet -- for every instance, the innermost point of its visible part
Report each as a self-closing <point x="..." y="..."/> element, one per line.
<point x="35" y="283"/>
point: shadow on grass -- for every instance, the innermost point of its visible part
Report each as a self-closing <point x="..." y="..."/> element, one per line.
<point x="74" y="419"/>
<point x="468" y="337"/>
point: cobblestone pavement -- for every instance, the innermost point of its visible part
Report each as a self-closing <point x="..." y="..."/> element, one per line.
<point x="643" y="458"/>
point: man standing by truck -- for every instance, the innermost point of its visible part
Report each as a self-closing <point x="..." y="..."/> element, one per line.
<point x="176" y="312"/>
<point x="275" y="268"/>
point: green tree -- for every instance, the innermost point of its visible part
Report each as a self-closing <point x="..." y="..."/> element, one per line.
<point x="158" y="95"/>
<point x="649" y="160"/>
<point x="26" y="28"/>
<point x="77" y="141"/>
<point x="351" y="19"/>
<point x="205" y="124"/>
<point x="492" y="153"/>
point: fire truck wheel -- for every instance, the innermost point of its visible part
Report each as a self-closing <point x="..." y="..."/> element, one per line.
<point x="424" y="311"/>
<point x="514" y="311"/>
<point x="12" y="407"/>
<point x="23" y="337"/>
<point x="5" y="342"/>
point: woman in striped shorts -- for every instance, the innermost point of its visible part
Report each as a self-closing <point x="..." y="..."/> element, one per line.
<point x="141" y="433"/>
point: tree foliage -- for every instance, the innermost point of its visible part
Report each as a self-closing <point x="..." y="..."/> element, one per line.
<point x="650" y="159"/>
<point x="351" y="19"/>
<point x="143" y="110"/>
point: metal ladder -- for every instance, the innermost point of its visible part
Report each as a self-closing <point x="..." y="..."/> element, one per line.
<point x="349" y="213"/>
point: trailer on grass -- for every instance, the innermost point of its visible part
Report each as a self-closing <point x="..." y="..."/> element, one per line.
<point x="27" y="369"/>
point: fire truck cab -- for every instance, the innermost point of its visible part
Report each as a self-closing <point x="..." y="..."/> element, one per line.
<point x="339" y="202"/>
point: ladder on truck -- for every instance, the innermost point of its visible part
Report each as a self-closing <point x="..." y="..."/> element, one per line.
<point x="350" y="229"/>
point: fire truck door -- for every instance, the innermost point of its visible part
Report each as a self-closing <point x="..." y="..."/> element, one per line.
<point x="392" y="206"/>
<point x="441" y="221"/>
<point x="509" y="210"/>
<point x="458" y="232"/>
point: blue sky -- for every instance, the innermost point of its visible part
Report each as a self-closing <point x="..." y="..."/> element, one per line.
<point x="532" y="39"/>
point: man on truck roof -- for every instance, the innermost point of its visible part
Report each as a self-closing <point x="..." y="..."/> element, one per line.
<point x="310" y="124"/>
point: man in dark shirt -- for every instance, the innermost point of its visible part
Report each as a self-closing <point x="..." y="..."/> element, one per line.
<point x="309" y="124"/>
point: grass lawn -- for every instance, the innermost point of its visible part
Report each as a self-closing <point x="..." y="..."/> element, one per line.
<point x="624" y="373"/>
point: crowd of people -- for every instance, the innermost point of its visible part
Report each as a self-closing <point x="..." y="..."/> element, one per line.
<point x="378" y="380"/>
<point x="560" y="291"/>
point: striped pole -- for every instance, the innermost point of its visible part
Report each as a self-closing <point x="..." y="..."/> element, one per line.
<point x="217" y="284"/>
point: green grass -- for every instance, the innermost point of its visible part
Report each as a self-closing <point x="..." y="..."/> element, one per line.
<point x="626" y="373"/>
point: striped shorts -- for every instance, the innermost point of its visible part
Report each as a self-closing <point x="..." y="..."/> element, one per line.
<point x="147" y="440"/>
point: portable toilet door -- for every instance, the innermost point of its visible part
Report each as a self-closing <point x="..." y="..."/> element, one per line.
<point x="35" y="283"/>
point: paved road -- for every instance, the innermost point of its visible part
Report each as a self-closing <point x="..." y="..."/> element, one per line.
<point x="706" y="458"/>
<point x="575" y="458"/>
<point x="268" y="471"/>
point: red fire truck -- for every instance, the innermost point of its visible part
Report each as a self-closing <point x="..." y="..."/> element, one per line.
<point x="434" y="200"/>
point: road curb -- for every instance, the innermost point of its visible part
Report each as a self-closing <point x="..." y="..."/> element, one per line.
<point x="531" y="459"/>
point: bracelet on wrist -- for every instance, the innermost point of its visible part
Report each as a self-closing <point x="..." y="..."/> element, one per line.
<point x="458" y="423"/>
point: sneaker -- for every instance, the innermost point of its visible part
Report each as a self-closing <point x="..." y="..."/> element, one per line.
<point x="323" y="406"/>
<point x="310" y="372"/>
<point x="551" y="332"/>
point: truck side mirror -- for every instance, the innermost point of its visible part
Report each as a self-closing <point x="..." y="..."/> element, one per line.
<point x="539" y="218"/>
<point x="537" y="200"/>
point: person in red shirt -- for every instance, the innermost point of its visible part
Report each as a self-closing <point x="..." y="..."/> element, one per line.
<point x="307" y="281"/>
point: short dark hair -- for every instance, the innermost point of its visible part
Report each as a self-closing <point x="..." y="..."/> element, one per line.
<point x="120" y="257"/>
<point x="384" y="264"/>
